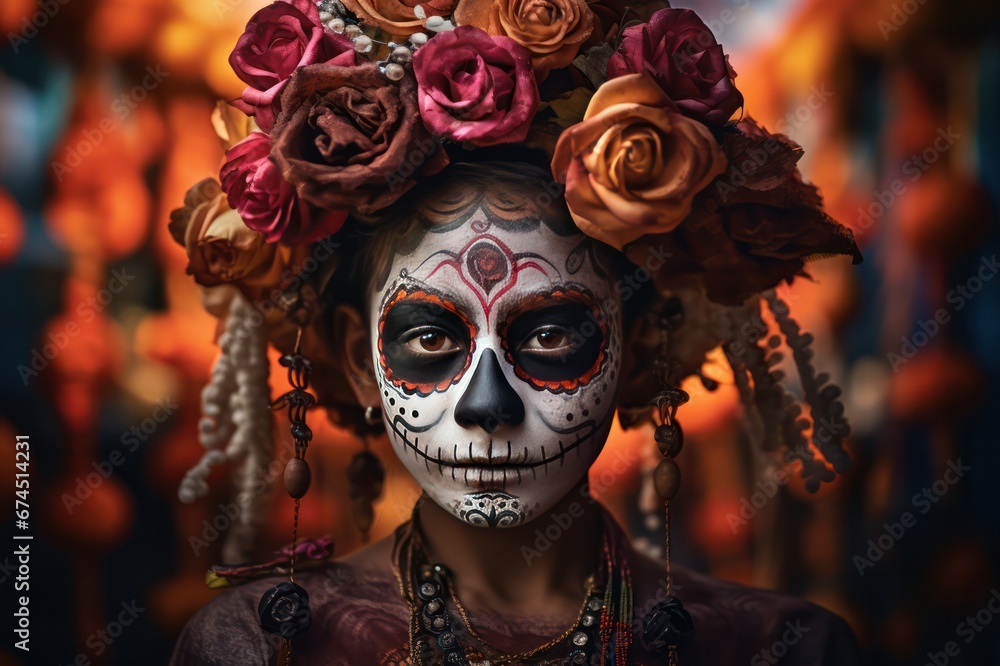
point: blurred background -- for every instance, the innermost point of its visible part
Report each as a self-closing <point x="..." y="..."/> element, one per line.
<point x="104" y="123"/>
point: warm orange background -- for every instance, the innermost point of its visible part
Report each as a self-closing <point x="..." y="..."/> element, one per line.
<point x="87" y="180"/>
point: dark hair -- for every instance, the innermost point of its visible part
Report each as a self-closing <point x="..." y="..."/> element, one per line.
<point x="517" y="196"/>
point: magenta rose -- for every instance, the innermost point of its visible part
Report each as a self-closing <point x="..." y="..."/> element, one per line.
<point x="475" y="87"/>
<point x="266" y="202"/>
<point x="681" y="53"/>
<point x="278" y="39"/>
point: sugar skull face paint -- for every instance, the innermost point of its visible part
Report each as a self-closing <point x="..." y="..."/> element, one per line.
<point x="496" y="352"/>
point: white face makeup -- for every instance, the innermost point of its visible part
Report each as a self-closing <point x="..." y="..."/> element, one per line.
<point x="497" y="358"/>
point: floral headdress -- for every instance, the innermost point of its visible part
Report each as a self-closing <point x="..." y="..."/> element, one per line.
<point x="352" y="103"/>
<point x="349" y="104"/>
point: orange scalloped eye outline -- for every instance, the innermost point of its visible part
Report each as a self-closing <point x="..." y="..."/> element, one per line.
<point x="566" y="385"/>
<point x="424" y="389"/>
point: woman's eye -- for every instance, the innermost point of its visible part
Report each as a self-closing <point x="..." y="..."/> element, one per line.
<point x="549" y="339"/>
<point x="432" y="342"/>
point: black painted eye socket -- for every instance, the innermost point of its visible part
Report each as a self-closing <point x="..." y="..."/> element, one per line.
<point x="424" y="344"/>
<point x="556" y="343"/>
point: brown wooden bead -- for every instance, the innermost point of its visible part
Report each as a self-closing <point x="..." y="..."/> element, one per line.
<point x="667" y="479"/>
<point x="297" y="477"/>
<point x="669" y="439"/>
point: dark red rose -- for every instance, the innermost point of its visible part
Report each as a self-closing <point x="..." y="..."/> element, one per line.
<point x="266" y="202"/>
<point x="476" y="88"/>
<point x="348" y="137"/>
<point x="681" y="53"/>
<point x="278" y="39"/>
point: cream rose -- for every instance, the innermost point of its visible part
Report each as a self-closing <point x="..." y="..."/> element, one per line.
<point x="221" y="249"/>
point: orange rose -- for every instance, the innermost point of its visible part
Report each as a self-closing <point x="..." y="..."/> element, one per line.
<point x="553" y="30"/>
<point x="220" y="248"/>
<point x="634" y="165"/>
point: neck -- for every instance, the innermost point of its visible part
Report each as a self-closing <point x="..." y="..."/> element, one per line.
<point x="522" y="567"/>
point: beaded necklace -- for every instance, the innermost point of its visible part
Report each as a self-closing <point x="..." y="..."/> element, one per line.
<point x="603" y="626"/>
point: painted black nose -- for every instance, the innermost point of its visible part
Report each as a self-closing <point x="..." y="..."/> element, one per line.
<point x="490" y="401"/>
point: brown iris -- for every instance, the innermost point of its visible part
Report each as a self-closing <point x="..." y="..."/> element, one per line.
<point x="433" y="342"/>
<point x="551" y="339"/>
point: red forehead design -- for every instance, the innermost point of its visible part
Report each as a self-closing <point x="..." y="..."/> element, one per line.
<point x="489" y="268"/>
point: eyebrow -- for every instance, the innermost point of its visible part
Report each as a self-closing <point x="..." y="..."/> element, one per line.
<point x="463" y="304"/>
<point x="507" y="307"/>
<point x="544" y="296"/>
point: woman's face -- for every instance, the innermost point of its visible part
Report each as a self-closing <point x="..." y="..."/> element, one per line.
<point x="497" y="356"/>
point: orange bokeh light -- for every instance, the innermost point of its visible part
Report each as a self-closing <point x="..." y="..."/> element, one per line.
<point x="11" y="228"/>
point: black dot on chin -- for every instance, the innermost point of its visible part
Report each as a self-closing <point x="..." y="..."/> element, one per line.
<point x="612" y="374"/>
<point x="597" y="400"/>
<point x="569" y="417"/>
<point x="586" y="412"/>
<point x="415" y="413"/>
<point x="392" y="401"/>
<point x="402" y="410"/>
<point x="385" y="393"/>
<point x="604" y="387"/>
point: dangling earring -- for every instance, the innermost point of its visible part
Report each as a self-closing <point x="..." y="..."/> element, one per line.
<point x="365" y="475"/>
<point x="373" y="415"/>
<point x="667" y="623"/>
<point x="284" y="609"/>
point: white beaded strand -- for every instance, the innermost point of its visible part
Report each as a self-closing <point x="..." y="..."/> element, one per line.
<point x="237" y="416"/>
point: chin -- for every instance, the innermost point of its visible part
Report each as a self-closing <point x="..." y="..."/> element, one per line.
<point x="504" y="496"/>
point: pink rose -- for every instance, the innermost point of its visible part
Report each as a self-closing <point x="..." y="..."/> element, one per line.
<point x="476" y="88"/>
<point x="681" y="53"/>
<point x="267" y="202"/>
<point x="278" y="39"/>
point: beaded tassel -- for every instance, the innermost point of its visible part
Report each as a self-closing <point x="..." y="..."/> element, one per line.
<point x="284" y="609"/>
<point x="667" y="623"/>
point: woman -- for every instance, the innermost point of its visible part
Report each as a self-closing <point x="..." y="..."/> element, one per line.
<point x="493" y="322"/>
